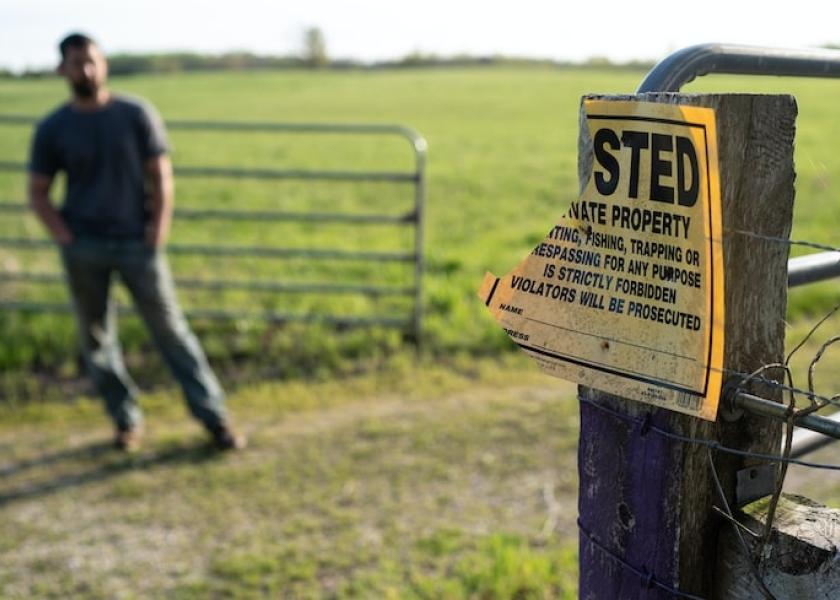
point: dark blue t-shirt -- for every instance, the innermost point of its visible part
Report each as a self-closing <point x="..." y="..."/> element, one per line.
<point x="103" y="153"/>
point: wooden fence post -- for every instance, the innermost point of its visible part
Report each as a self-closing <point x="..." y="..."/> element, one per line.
<point x="645" y="503"/>
<point x="803" y="563"/>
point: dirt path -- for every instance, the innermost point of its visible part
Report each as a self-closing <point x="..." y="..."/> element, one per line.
<point x="366" y="489"/>
<point x="357" y="486"/>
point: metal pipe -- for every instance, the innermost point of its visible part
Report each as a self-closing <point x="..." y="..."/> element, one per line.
<point x="265" y="215"/>
<point x="805" y="441"/>
<point x="257" y="126"/>
<point x="265" y="252"/>
<point x="228" y="315"/>
<point x="419" y="232"/>
<point x="297" y="217"/>
<point x="254" y="286"/>
<point x="683" y="66"/>
<point x="813" y="267"/>
<point x="303" y="174"/>
<point x="417" y="141"/>
<point x="774" y="410"/>
<point x="237" y="173"/>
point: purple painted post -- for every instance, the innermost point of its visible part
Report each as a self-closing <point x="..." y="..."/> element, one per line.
<point x="626" y="516"/>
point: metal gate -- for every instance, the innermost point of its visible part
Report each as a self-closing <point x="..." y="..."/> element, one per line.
<point x="682" y="67"/>
<point x="17" y="280"/>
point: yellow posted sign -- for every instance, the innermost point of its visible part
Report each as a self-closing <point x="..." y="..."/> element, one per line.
<point x="625" y="293"/>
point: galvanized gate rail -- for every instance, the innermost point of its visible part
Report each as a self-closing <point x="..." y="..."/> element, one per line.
<point x="682" y="67"/>
<point x="414" y="218"/>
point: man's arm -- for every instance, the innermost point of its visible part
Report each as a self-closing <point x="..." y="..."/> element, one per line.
<point x="162" y="198"/>
<point x="39" y="200"/>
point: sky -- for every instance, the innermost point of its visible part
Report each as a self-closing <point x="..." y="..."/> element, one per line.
<point x="371" y="30"/>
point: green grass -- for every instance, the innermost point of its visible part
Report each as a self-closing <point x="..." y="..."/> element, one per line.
<point x="415" y="482"/>
<point x="371" y="476"/>
<point x="502" y="168"/>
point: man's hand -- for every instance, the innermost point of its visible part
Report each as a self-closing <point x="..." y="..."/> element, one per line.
<point x="39" y="200"/>
<point x="155" y="236"/>
<point x="159" y="173"/>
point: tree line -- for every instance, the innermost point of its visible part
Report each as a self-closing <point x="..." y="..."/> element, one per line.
<point x="177" y="62"/>
<point x="313" y="55"/>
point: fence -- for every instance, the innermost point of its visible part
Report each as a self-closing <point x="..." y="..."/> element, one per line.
<point x="684" y="66"/>
<point x="411" y="219"/>
<point x="657" y="498"/>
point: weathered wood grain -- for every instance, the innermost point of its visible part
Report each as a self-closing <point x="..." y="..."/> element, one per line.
<point x="803" y="562"/>
<point x="650" y="499"/>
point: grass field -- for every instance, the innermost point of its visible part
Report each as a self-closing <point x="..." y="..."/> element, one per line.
<point x="371" y="474"/>
<point x="453" y="480"/>
<point x="502" y="167"/>
<point x="431" y="482"/>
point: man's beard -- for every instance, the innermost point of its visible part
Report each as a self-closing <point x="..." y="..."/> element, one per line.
<point x="84" y="89"/>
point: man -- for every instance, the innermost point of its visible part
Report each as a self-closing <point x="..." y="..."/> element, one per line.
<point x="115" y="220"/>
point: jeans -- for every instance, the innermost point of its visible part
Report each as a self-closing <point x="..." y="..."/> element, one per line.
<point x="90" y="265"/>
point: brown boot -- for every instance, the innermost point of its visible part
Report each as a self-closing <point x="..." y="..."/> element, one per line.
<point x="128" y="440"/>
<point x="227" y="438"/>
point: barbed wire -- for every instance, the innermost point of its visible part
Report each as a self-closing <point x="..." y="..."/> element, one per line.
<point x="646" y="577"/>
<point x="780" y="240"/>
<point x="827" y="400"/>
<point x="736" y="526"/>
<point x="782" y="460"/>
<point x="810" y="394"/>
<point x="644" y="424"/>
